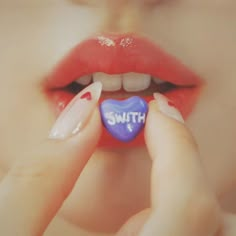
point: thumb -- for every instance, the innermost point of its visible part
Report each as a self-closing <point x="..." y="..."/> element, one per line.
<point x="182" y="201"/>
<point x="35" y="188"/>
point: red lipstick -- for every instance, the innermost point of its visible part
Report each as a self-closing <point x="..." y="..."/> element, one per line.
<point x="118" y="54"/>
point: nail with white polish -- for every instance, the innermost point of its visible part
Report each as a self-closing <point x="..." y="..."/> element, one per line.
<point x="167" y="107"/>
<point x="77" y="112"/>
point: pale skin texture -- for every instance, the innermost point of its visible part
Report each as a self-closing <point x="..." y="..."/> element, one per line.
<point x="115" y="184"/>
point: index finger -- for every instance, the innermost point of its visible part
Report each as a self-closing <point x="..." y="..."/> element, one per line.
<point x="35" y="188"/>
<point x="180" y="195"/>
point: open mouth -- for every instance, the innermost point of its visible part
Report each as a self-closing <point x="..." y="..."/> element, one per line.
<point x="127" y="66"/>
<point x="122" y="85"/>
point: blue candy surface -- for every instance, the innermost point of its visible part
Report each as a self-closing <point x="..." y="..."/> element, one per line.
<point x="124" y="119"/>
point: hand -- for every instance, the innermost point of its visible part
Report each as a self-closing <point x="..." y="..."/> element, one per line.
<point x="182" y="202"/>
<point x="35" y="188"/>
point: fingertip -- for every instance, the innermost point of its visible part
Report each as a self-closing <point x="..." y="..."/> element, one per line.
<point x="85" y="140"/>
<point x="77" y="113"/>
<point x="153" y="106"/>
<point x="167" y="107"/>
<point x="77" y="148"/>
<point x="165" y="129"/>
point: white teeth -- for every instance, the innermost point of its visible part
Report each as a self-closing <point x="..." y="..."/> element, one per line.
<point x="109" y="82"/>
<point x="158" y="81"/>
<point x="84" y="80"/>
<point x="133" y="82"/>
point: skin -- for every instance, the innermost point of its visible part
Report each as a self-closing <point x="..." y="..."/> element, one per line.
<point x="115" y="184"/>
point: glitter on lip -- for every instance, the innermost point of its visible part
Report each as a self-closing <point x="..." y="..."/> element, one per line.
<point x="105" y="41"/>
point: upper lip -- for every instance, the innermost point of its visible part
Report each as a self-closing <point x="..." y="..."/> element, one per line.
<point x="117" y="54"/>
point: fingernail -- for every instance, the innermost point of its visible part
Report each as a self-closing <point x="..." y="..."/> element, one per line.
<point x="167" y="107"/>
<point x="77" y="112"/>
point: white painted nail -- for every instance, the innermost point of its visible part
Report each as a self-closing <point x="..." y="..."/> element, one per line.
<point x="77" y="112"/>
<point x="167" y="107"/>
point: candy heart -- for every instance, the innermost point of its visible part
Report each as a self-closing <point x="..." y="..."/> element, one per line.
<point x="124" y="119"/>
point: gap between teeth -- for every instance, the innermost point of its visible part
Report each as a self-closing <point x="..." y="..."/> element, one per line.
<point x="130" y="82"/>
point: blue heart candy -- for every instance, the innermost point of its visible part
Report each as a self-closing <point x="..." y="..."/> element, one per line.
<point x="124" y="119"/>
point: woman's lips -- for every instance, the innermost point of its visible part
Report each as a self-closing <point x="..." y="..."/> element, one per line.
<point x="117" y="55"/>
<point x="122" y="54"/>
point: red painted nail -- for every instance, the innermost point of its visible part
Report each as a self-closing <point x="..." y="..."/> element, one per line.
<point x="87" y="96"/>
<point x="171" y="104"/>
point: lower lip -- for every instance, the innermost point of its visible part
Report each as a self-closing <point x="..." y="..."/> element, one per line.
<point x="184" y="99"/>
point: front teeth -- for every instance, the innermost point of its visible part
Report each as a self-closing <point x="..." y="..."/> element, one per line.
<point x="109" y="82"/>
<point x="131" y="82"/>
